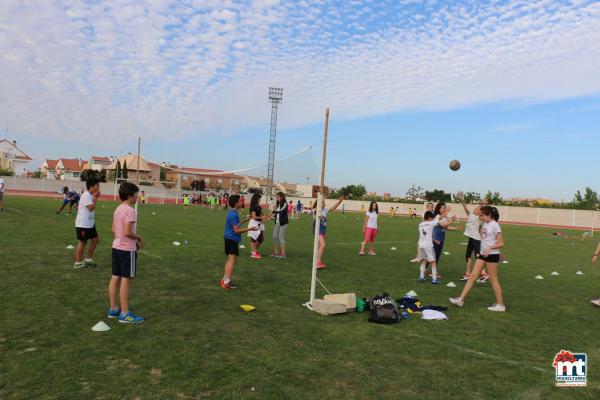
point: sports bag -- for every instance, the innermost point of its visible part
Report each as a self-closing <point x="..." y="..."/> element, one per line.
<point x="383" y="310"/>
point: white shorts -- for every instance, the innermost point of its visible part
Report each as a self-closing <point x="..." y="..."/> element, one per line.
<point x="426" y="253"/>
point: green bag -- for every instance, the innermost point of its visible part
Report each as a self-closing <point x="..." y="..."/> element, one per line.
<point x="361" y="304"/>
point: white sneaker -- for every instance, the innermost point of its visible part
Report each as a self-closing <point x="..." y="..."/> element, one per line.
<point x="457" y="301"/>
<point x="497" y="308"/>
<point x="595" y="302"/>
<point x="414" y="260"/>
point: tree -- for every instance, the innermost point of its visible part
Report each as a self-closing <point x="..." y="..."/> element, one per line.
<point x="469" y="197"/>
<point x="438" y="195"/>
<point x="355" y="192"/>
<point x="118" y="170"/>
<point x="163" y="174"/>
<point x="493" y="198"/>
<point x="415" y="193"/>
<point x="37" y="174"/>
<point x="125" y="173"/>
<point x="588" y="201"/>
<point x="88" y="173"/>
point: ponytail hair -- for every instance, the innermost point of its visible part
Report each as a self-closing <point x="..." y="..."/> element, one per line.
<point x="490" y="211"/>
<point x="438" y="208"/>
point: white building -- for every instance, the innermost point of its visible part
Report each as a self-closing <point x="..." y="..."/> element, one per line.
<point x="11" y="157"/>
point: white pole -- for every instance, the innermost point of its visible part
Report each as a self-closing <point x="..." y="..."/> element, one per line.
<point x="313" y="280"/>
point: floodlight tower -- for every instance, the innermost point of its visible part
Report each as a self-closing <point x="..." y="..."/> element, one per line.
<point x="275" y="97"/>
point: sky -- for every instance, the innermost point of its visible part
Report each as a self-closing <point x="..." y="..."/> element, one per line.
<point x="509" y="88"/>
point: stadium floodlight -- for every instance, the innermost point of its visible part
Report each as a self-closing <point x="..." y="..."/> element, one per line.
<point x="275" y="97"/>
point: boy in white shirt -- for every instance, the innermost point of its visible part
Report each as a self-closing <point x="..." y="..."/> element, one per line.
<point x="85" y="225"/>
<point x="426" y="253"/>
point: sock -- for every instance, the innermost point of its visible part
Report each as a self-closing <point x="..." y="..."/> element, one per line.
<point x="422" y="271"/>
<point x="226" y="280"/>
<point x="434" y="273"/>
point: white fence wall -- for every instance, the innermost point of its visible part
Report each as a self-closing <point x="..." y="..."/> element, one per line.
<point x="529" y="215"/>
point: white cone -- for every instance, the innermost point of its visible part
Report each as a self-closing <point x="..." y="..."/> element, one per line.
<point x="578" y="273"/>
<point x="176" y="244"/>
<point x="505" y="262"/>
<point x="153" y="213"/>
<point x="242" y="246"/>
<point x="539" y="277"/>
<point x="554" y="273"/>
<point x="101" y="327"/>
<point x="412" y="293"/>
<point x="70" y="247"/>
<point x="393" y="248"/>
<point x="446" y="253"/>
<point x="451" y="284"/>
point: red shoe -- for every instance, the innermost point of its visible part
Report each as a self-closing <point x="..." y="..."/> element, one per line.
<point x="229" y="285"/>
<point x="256" y="255"/>
<point x="320" y="265"/>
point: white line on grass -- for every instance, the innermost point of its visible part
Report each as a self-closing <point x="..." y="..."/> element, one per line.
<point x="520" y="364"/>
<point x="16" y="209"/>
<point x="148" y="254"/>
<point x="358" y="243"/>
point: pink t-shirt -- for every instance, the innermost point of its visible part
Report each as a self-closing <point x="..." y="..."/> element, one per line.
<point x="124" y="215"/>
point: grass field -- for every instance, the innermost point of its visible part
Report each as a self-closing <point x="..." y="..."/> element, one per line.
<point x="197" y="343"/>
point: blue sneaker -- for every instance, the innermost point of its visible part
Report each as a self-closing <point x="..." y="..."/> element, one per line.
<point x="435" y="282"/>
<point x="421" y="280"/>
<point x="114" y="313"/>
<point x="130" y="318"/>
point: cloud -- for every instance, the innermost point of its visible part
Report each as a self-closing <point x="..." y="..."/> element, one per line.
<point x="512" y="128"/>
<point x="79" y="69"/>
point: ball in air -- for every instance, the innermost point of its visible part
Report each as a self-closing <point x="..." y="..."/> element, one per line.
<point x="454" y="165"/>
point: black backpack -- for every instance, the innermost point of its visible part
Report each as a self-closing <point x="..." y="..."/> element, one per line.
<point x="383" y="310"/>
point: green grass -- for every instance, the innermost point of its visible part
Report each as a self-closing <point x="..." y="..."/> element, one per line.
<point x="198" y="343"/>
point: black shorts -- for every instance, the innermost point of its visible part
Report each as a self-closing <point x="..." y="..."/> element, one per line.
<point x="492" y="258"/>
<point x="124" y="263"/>
<point x="232" y="247"/>
<point x="85" y="234"/>
<point x="474" y="246"/>
<point x="259" y="239"/>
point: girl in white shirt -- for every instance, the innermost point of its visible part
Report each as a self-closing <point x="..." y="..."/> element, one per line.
<point x="370" y="229"/>
<point x="492" y="241"/>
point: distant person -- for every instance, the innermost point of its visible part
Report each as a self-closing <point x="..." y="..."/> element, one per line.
<point x="212" y="202"/>
<point x="362" y="208"/>
<point x="392" y="212"/>
<point x="243" y="200"/>
<point x="124" y="255"/>
<point x="370" y="229"/>
<point x="343" y="208"/>
<point x="256" y="221"/>
<point x="492" y="241"/>
<point x="323" y="229"/>
<point x="413" y="214"/>
<point x="291" y="209"/>
<point x="224" y="202"/>
<point x="425" y="246"/>
<point x="594" y="261"/>
<point x="299" y="207"/>
<point x="186" y="201"/>
<point x="233" y="237"/>
<point x="2" y="186"/>
<point x="441" y="211"/>
<point x="473" y="232"/>
<point x="71" y="198"/>
<point x="280" y="215"/>
<point x="143" y="197"/>
<point x="85" y="225"/>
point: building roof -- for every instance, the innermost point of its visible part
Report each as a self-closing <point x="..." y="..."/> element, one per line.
<point x="132" y="162"/>
<point x="71" y="164"/>
<point x="208" y="172"/>
<point x="51" y="163"/>
<point x="101" y="159"/>
<point x="22" y="156"/>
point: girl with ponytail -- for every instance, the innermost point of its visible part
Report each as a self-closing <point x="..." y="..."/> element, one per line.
<point x="492" y="241"/>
